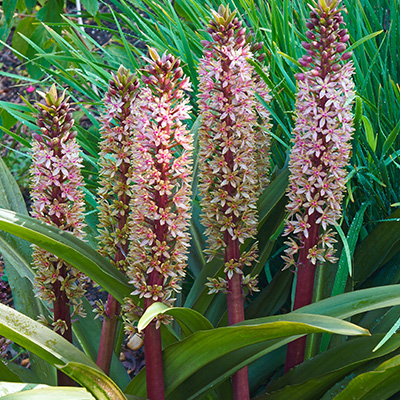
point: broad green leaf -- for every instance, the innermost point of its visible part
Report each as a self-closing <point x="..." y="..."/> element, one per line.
<point x="348" y="304"/>
<point x="42" y="341"/>
<point x="189" y="320"/>
<point x="51" y="11"/>
<point x="69" y="248"/>
<point x="311" y="379"/>
<point x="233" y="345"/>
<point x="7" y="374"/>
<point x="381" y="383"/>
<point x="92" y="6"/>
<point x="96" y="382"/>
<point x="9" y="9"/>
<point x="32" y="391"/>
<point x="148" y="316"/>
<point x="216" y="370"/>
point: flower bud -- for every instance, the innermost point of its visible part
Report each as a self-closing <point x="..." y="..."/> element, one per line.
<point x="346" y="56"/>
<point x="310" y="35"/>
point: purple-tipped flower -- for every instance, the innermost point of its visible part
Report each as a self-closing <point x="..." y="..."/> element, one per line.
<point x="162" y="190"/>
<point x="58" y="199"/>
<point x="119" y="124"/>
<point x="323" y="131"/>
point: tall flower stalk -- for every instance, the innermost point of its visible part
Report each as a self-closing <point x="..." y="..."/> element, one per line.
<point x="320" y="153"/>
<point x="58" y="199"/>
<point x="230" y="180"/>
<point x="161" y="206"/>
<point x="119" y="122"/>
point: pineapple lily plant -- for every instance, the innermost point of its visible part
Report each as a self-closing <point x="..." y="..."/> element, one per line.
<point x="174" y="203"/>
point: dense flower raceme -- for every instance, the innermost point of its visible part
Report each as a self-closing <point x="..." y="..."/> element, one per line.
<point x="162" y="190"/>
<point x="323" y="131"/>
<point x="58" y="199"/>
<point x="230" y="180"/>
<point x="119" y="123"/>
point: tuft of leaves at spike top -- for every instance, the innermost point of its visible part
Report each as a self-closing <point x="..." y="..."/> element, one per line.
<point x="162" y="190"/>
<point x="229" y="178"/>
<point x="322" y="134"/>
<point x="58" y="198"/>
<point x="120" y="121"/>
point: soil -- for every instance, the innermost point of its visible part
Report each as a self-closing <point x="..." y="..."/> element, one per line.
<point x="10" y="90"/>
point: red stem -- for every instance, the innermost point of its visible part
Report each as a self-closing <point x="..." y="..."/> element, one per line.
<point x="153" y="357"/>
<point x="61" y="311"/>
<point x="235" y="301"/>
<point x="304" y="292"/>
<point x="235" y="304"/>
<point x="108" y="332"/>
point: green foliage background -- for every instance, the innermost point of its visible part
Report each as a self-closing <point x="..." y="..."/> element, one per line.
<point x="368" y="269"/>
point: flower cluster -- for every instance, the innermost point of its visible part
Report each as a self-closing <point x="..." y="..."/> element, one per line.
<point x="229" y="177"/>
<point x="57" y="194"/>
<point x="323" y="131"/>
<point x="119" y="122"/>
<point x="161" y="206"/>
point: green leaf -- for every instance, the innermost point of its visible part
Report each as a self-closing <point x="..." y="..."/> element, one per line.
<point x="364" y="39"/>
<point x="69" y="248"/>
<point x="51" y="11"/>
<point x="381" y="383"/>
<point x="369" y="133"/>
<point x="385" y="237"/>
<point x="234" y="346"/>
<point x="32" y="391"/>
<point x="390" y="139"/>
<point x="391" y="332"/>
<point x="97" y="383"/>
<point x="345" y="247"/>
<point x="27" y="26"/>
<point x="9" y="9"/>
<point x="216" y="369"/>
<point x="42" y="341"/>
<point x="311" y="379"/>
<point x="92" y="6"/>
<point x="7" y="375"/>
<point x="189" y="320"/>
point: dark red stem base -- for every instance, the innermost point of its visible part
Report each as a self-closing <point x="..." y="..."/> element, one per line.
<point x="304" y="293"/>
<point x="154" y="364"/>
<point x="235" y="301"/>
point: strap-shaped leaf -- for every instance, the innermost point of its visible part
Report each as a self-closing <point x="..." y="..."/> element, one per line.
<point x="69" y="248"/>
<point x="42" y="341"/>
<point x="233" y="346"/>
<point x="33" y="391"/>
<point x="217" y="367"/>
